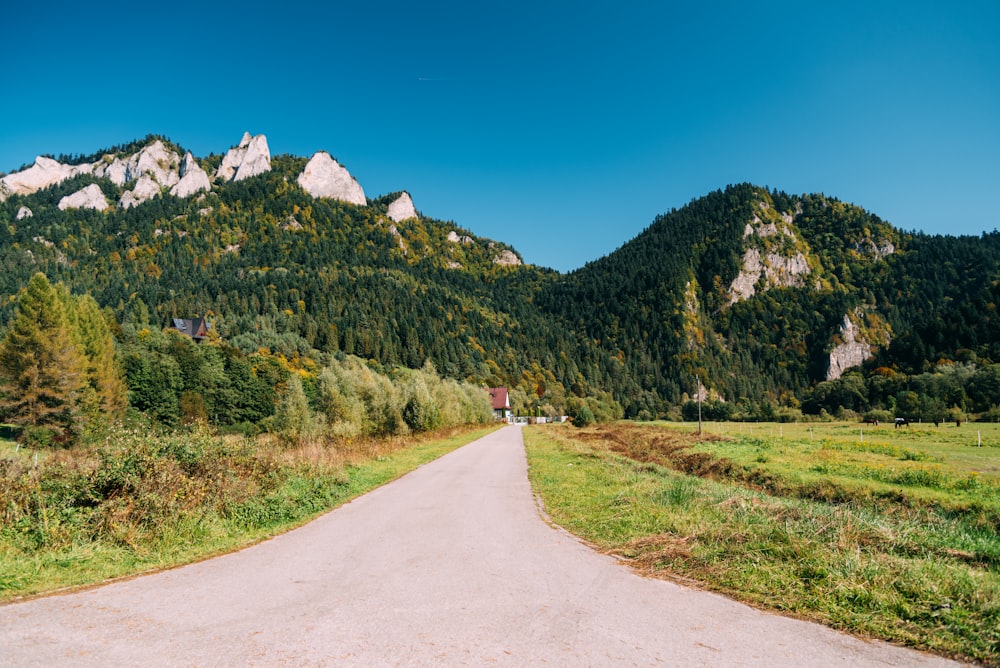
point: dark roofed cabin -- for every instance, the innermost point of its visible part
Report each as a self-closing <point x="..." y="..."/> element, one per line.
<point x="196" y="328"/>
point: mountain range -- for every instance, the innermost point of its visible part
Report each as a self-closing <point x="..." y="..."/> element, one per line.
<point x="746" y="297"/>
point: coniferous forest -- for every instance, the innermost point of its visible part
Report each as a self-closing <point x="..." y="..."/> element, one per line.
<point x="765" y="305"/>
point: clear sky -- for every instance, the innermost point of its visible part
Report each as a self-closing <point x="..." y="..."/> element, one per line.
<point x="562" y="128"/>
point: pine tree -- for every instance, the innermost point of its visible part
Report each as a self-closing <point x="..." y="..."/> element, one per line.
<point x="105" y="392"/>
<point x="41" y="367"/>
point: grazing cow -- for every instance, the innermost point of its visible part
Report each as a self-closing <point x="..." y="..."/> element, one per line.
<point x="873" y="421"/>
<point x="902" y="422"/>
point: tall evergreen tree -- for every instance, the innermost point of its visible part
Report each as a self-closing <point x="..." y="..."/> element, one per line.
<point x="41" y="367"/>
<point x="91" y="333"/>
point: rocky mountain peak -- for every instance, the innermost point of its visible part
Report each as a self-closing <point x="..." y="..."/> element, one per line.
<point x="325" y="177"/>
<point x="44" y="173"/>
<point x="193" y="178"/>
<point x="250" y="158"/>
<point x="402" y="208"/>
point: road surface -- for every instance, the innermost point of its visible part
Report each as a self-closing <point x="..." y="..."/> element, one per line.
<point x="450" y="565"/>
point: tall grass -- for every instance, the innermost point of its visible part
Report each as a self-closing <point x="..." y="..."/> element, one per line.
<point x="138" y="501"/>
<point x="919" y="567"/>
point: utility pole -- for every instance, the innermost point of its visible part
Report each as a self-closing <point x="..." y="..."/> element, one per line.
<point x="698" y="378"/>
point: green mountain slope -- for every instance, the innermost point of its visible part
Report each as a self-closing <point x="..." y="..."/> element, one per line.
<point x="273" y="267"/>
<point x="761" y="296"/>
<point x="748" y="289"/>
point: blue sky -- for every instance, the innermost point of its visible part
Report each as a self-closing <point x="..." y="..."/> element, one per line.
<point x="562" y="128"/>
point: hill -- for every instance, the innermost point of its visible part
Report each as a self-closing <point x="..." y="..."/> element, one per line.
<point x="274" y="267"/>
<point x="764" y="297"/>
<point x="769" y="301"/>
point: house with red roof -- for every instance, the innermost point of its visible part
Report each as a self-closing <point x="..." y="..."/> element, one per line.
<point x="501" y="404"/>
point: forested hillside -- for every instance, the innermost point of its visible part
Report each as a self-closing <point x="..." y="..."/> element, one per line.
<point x="774" y="303"/>
<point x="277" y="270"/>
<point x="748" y="289"/>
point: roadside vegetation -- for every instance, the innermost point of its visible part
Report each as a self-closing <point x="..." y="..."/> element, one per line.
<point x="892" y="535"/>
<point x="139" y="500"/>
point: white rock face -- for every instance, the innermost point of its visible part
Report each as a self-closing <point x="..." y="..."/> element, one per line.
<point x="869" y="247"/>
<point x="90" y="197"/>
<point x="145" y="189"/>
<point x="116" y="171"/>
<point x="507" y="258"/>
<point x="849" y="354"/>
<point x="155" y="161"/>
<point x="44" y="173"/>
<point x="779" y="271"/>
<point x="744" y="285"/>
<point x="455" y="239"/>
<point x="402" y="208"/>
<point x="399" y="239"/>
<point x="325" y="177"/>
<point x="193" y="178"/>
<point x="24" y="212"/>
<point x="250" y="158"/>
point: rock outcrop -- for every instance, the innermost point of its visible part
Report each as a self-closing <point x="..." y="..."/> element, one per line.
<point x="456" y="239"/>
<point x="399" y="239"/>
<point x="193" y="178"/>
<point x="90" y="197"/>
<point x="44" y="173"/>
<point x="325" y="177"/>
<point x="876" y="250"/>
<point x="778" y="271"/>
<point x="402" y="208"/>
<point x="24" y="212"/>
<point x="507" y="258"/>
<point x="156" y="161"/>
<point x="250" y="158"/>
<point x="848" y="354"/>
<point x="770" y="255"/>
<point x="145" y="189"/>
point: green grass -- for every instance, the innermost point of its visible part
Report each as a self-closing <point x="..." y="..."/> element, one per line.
<point x="139" y="503"/>
<point x="915" y="561"/>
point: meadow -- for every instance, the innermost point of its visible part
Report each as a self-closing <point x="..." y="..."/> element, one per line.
<point x="886" y="533"/>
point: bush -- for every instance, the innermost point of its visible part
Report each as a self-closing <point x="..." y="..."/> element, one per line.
<point x="584" y="416"/>
<point x="878" y="416"/>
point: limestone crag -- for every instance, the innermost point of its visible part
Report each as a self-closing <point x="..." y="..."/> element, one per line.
<point x="44" y="173"/>
<point x="325" y="177"/>
<point x="402" y="208"/>
<point x="193" y="178"/>
<point x="778" y="271"/>
<point x="507" y="258"/>
<point x="145" y="189"/>
<point x="848" y="354"/>
<point x="24" y="212"/>
<point x="155" y="161"/>
<point x="876" y="250"/>
<point x="154" y="168"/>
<point x="769" y="255"/>
<point x="456" y="239"/>
<point x="250" y="158"/>
<point x="90" y="197"/>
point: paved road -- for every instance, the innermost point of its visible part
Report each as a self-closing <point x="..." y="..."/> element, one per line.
<point x="450" y="565"/>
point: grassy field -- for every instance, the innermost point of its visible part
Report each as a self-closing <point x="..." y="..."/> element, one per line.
<point x="139" y="503"/>
<point x="885" y="533"/>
